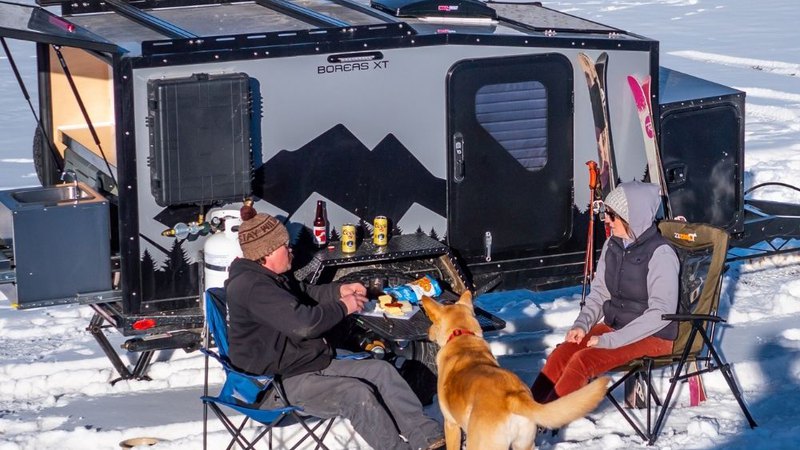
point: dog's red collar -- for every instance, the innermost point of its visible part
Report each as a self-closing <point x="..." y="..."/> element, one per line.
<point x="459" y="332"/>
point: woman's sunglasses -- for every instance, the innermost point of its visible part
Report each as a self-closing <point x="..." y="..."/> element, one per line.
<point x="612" y="216"/>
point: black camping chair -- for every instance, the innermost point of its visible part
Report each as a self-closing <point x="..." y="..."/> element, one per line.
<point x="701" y="250"/>
<point x="242" y="392"/>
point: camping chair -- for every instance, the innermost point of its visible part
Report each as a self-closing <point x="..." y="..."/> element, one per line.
<point x="701" y="250"/>
<point x="242" y="392"/>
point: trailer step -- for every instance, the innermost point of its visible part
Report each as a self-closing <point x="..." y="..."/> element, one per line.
<point x="185" y="339"/>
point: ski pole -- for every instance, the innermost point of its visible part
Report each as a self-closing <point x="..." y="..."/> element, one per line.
<point x="588" y="261"/>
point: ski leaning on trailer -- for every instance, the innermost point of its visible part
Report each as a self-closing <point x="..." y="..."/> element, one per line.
<point x="641" y="97"/>
<point x="595" y="72"/>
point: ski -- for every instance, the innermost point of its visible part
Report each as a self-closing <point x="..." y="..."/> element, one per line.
<point x="595" y="73"/>
<point x="646" y="89"/>
<point x="642" y="101"/>
<point x="697" y="390"/>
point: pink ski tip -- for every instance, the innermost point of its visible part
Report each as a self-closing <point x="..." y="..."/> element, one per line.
<point x="638" y="94"/>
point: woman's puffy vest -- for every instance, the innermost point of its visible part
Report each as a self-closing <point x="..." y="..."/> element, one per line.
<point x="626" y="280"/>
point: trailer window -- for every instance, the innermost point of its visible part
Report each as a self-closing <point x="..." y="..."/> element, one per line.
<point x="515" y="115"/>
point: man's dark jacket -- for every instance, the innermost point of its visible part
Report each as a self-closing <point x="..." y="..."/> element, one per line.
<point x="275" y="324"/>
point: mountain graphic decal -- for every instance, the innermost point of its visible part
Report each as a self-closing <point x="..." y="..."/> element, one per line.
<point x="385" y="181"/>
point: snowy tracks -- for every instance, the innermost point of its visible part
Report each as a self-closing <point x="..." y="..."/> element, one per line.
<point x="769" y="111"/>
<point x="776" y="67"/>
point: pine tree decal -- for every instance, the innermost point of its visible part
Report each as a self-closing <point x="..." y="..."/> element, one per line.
<point x="148" y="275"/>
<point x="305" y="241"/>
<point x="363" y="231"/>
<point x="180" y="276"/>
<point x="433" y="234"/>
<point x="419" y="229"/>
<point x="396" y="231"/>
<point x="334" y="235"/>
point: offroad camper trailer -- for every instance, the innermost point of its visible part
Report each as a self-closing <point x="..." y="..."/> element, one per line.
<point x="470" y="122"/>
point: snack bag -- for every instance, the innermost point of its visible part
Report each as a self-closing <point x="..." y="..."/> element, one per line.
<point x="413" y="291"/>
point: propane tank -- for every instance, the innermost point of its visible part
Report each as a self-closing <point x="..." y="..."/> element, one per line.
<point x="222" y="247"/>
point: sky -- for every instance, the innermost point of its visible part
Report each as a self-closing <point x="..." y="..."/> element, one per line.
<point x="56" y="393"/>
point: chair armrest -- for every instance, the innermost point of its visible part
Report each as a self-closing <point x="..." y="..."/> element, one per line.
<point x="688" y="317"/>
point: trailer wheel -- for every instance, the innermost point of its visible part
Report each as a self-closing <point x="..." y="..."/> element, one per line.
<point x="420" y="371"/>
<point x="47" y="173"/>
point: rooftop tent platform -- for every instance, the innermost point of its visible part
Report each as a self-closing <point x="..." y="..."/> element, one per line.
<point x="177" y="26"/>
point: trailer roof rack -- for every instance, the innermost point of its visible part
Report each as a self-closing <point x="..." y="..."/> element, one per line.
<point x="438" y="8"/>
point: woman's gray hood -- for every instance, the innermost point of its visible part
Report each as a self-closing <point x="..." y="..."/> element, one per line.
<point x="642" y="201"/>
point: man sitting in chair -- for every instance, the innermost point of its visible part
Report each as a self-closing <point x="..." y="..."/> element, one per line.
<point x="635" y="284"/>
<point x="276" y="327"/>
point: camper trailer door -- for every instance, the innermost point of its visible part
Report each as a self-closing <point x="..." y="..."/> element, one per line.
<point x="510" y="155"/>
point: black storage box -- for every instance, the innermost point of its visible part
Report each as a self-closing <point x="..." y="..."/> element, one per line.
<point x="702" y="149"/>
<point x="199" y="139"/>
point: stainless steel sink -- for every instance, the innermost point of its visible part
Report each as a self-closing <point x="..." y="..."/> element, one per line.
<point x="53" y="195"/>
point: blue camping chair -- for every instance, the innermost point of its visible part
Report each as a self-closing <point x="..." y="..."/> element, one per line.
<point x="241" y="391"/>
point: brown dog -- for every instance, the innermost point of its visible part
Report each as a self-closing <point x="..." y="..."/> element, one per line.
<point x="492" y="405"/>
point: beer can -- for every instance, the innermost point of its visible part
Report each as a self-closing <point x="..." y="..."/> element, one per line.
<point x="380" y="231"/>
<point x="348" y="238"/>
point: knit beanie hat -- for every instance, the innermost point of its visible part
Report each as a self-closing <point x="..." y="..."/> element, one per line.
<point x="260" y="234"/>
<point x="617" y="201"/>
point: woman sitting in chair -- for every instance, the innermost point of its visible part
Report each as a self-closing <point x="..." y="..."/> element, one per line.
<point x="635" y="284"/>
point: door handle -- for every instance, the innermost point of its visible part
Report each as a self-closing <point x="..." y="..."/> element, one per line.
<point x="458" y="157"/>
<point x="675" y="175"/>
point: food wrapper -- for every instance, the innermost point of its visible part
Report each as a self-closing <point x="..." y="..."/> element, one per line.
<point x="413" y="291"/>
<point x="388" y="305"/>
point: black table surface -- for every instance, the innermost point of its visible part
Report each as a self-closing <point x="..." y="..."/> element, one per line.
<point x="416" y="327"/>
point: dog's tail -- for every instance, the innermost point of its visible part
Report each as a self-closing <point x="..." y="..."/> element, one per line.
<point x="570" y="407"/>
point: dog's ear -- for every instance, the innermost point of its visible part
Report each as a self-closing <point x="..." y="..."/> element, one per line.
<point x="466" y="299"/>
<point x="432" y="308"/>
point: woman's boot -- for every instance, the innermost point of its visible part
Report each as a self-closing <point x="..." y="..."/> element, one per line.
<point x="543" y="389"/>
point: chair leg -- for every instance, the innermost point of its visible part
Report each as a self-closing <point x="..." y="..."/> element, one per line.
<point x="325" y="433"/>
<point x="650" y="388"/>
<point x="649" y="376"/>
<point x="726" y="373"/>
<point x="673" y="382"/>
<point x="205" y="407"/>
<point x="236" y="434"/>
<point x="239" y="433"/>
<point x="268" y="429"/>
<point x="610" y="396"/>
<point x="310" y="432"/>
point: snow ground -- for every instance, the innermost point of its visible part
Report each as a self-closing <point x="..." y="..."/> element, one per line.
<point x="55" y="392"/>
